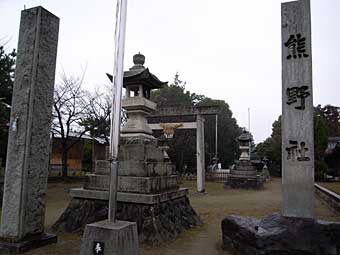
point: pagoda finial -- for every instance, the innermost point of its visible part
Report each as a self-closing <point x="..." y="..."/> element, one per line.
<point x="138" y="60"/>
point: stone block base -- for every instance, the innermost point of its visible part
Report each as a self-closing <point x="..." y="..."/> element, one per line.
<point x="146" y="168"/>
<point x="104" y="237"/>
<point x="278" y="235"/>
<point x="129" y="197"/>
<point x="144" y="185"/>
<point x="27" y="244"/>
<point x="244" y="182"/>
<point x="155" y="222"/>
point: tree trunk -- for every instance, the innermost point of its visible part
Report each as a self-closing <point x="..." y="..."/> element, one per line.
<point x="64" y="160"/>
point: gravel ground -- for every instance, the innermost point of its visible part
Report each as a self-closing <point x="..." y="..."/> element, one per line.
<point x="212" y="207"/>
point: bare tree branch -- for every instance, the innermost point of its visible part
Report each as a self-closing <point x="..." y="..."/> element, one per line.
<point x="68" y="110"/>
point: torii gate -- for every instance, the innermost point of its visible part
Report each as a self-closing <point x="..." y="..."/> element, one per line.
<point x="199" y="112"/>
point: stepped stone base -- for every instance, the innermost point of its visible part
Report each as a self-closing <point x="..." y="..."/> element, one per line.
<point x="149" y="167"/>
<point x="237" y="182"/>
<point x="245" y="176"/>
<point x="155" y="222"/>
<point x="132" y="184"/>
<point x="129" y="197"/>
<point x="7" y="246"/>
<point x="278" y="235"/>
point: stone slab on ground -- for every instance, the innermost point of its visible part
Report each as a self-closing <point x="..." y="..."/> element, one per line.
<point x="104" y="237"/>
<point x="27" y="244"/>
<point x="155" y="222"/>
<point x="278" y="235"/>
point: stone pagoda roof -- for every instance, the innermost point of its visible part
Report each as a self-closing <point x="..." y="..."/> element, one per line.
<point x="245" y="136"/>
<point x="138" y="74"/>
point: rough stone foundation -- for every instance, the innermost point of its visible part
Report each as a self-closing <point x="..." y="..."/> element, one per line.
<point x="155" y="223"/>
<point x="245" y="183"/>
<point x="278" y="235"/>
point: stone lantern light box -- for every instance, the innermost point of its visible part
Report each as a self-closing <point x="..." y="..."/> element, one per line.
<point x="244" y="141"/>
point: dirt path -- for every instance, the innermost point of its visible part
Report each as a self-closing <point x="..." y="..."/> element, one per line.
<point x="218" y="203"/>
<point x="212" y="207"/>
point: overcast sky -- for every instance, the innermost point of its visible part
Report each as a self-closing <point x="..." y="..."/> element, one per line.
<point x="223" y="49"/>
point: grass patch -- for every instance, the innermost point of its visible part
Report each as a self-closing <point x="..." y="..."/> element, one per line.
<point x="333" y="186"/>
<point x="212" y="207"/>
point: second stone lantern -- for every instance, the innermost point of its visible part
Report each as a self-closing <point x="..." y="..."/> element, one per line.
<point x="244" y="173"/>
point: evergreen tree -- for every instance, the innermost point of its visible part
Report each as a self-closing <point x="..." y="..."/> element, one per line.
<point x="271" y="148"/>
<point x="172" y="95"/>
<point x="183" y="147"/>
<point x="227" y="133"/>
<point x="331" y="116"/>
<point x="7" y="67"/>
<point x="326" y="123"/>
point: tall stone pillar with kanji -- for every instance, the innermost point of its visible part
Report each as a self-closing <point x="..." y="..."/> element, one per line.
<point x="297" y="111"/>
<point x="23" y="211"/>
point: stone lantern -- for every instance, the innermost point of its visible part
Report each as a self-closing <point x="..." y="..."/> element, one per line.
<point x="138" y="82"/>
<point x="244" y="173"/>
<point x="244" y="140"/>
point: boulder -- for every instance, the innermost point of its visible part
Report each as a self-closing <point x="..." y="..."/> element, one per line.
<point x="278" y="235"/>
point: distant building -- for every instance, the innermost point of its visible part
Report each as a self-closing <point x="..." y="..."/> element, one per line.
<point x="334" y="142"/>
<point x="75" y="160"/>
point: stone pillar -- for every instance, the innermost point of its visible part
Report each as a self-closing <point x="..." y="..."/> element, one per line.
<point x="297" y="111"/>
<point x="140" y="91"/>
<point x="200" y="154"/>
<point x="23" y="211"/>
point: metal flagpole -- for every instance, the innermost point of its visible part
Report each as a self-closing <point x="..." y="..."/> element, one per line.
<point x="118" y="75"/>
<point x="216" y="137"/>
<point x="249" y="131"/>
<point x="249" y="120"/>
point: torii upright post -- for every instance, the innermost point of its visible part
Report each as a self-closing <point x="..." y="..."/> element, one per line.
<point x="113" y="237"/>
<point x="200" y="154"/>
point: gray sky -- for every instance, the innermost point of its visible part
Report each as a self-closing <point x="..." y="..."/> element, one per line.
<point x="224" y="49"/>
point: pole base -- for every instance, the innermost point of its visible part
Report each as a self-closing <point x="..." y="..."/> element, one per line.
<point x="200" y="193"/>
<point x="27" y="244"/>
<point x="104" y="237"/>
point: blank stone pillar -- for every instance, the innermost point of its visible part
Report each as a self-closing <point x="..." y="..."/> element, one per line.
<point x="200" y="154"/>
<point x="23" y="211"/>
<point x="297" y="111"/>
